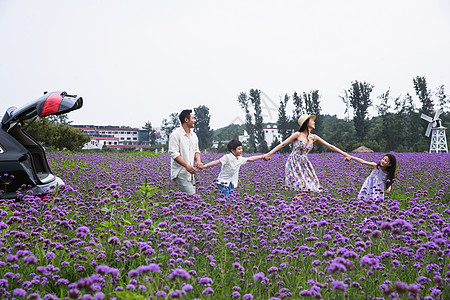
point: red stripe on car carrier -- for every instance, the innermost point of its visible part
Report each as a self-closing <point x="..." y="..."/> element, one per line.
<point x="51" y="105"/>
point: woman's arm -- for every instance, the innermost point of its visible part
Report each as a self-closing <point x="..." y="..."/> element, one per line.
<point x="329" y="146"/>
<point x="290" y="139"/>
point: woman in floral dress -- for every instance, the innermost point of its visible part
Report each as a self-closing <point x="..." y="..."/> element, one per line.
<point x="299" y="172"/>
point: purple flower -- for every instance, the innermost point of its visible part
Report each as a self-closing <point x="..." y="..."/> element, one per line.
<point x="19" y="293"/>
<point x="83" y="231"/>
<point x="339" y="285"/>
<point x="205" y="281"/>
<point x="50" y="256"/>
<point x="248" y="297"/>
<point x="401" y="287"/>
<point x="161" y="294"/>
<point x="176" y="294"/>
<point x="181" y="273"/>
<point x="258" y="276"/>
<point x="208" y="291"/>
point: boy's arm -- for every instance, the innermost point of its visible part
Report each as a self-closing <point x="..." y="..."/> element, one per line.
<point x="210" y="164"/>
<point x="256" y="157"/>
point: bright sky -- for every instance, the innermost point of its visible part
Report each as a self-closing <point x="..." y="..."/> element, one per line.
<point x="140" y="60"/>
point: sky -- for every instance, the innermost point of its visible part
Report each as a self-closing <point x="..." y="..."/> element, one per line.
<point x="141" y="60"/>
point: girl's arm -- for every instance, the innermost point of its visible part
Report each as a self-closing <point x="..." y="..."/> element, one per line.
<point x="329" y="146"/>
<point x="210" y="164"/>
<point x="388" y="189"/>
<point x="362" y="161"/>
<point x="290" y="139"/>
<point x="256" y="157"/>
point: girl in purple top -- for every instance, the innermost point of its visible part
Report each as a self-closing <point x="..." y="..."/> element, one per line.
<point x="380" y="179"/>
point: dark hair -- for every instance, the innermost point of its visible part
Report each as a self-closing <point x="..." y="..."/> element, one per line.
<point x="233" y="144"/>
<point x="390" y="169"/>
<point x="304" y="126"/>
<point x="185" y="114"/>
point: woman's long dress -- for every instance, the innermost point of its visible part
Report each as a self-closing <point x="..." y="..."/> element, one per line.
<point x="299" y="172"/>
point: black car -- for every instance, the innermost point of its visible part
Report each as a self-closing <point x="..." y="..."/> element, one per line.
<point x="23" y="164"/>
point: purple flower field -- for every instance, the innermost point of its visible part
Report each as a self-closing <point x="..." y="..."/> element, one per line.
<point x="120" y="230"/>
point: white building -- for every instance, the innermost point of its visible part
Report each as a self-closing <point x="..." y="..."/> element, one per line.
<point x="109" y="136"/>
<point x="270" y="134"/>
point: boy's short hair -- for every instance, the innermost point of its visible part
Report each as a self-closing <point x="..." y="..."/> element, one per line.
<point x="185" y="114"/>
<point x="233" y="144"/>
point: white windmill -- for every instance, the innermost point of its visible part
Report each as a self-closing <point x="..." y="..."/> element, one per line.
<point x="438" y="141"/>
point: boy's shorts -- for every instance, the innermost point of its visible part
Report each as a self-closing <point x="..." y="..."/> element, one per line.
<point x="225" y="190"/>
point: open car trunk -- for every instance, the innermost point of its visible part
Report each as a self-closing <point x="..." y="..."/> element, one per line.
<point x="36" y="153"/>
<point x="22" y="157"/>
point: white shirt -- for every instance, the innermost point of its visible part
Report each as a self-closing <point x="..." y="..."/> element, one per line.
<point x="186" y="145"/>
<point x="230" y="169"/>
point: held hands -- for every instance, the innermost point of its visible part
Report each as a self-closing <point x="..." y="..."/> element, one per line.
<point x="191" y="169"/>
<point x="266" y="157"/>
<point x="200" y="165"/>
<point x="348" y="157"/>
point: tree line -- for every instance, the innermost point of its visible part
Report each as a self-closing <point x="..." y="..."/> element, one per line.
<point x="397" y="127"/>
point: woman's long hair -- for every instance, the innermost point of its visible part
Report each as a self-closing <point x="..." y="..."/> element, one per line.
<point x="304" y="126"/>
<point x="390" y="169"/>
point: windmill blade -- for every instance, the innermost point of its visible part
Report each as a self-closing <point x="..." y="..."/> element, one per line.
<point x="427" y="133"/>
<point x="437" y="114"/>
<point x="426" y="118"/>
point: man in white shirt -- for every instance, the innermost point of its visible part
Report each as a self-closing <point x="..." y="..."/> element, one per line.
<point x="183" y="150"/>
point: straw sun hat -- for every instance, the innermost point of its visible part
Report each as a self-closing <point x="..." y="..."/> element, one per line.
<point x="303" y="118"/>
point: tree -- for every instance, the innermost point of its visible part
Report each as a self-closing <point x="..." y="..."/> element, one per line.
<point x="275" y="143"/>
<point x="169" y="125"/>
<point x="59" y="136"/>
<point x="443" y="99"/>
<point x="255" y="97"/>
<point x="387" y="137"/>
<point x="346" y="100"/>
<point x="232" y="131"/>
<point x="312" y="107"/>
<point x="298" y="106"/>
<point x="151" y="132"/>
<point x="359" y="98"/>
<point x="384" y="105"/>
<point x="59" y="119"/>
<point x="283" y="123"/>
<point x="249" y="127"/>
<point x="202" y="129"/>
<point x="424" y="95"/>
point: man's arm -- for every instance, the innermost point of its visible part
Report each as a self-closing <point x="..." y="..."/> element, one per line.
<point x="188" y="167"/>
<point x="174" y="152"/>
<point x="197" y="159"/>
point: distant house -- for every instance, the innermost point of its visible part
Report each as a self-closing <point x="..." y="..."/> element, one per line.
<point x="114" y="136"/>
<point x="270" y="134"/>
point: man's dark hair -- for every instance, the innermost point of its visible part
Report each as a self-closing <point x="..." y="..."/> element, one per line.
<point x="185" y="114"/>
<point x="233" y="144"/>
